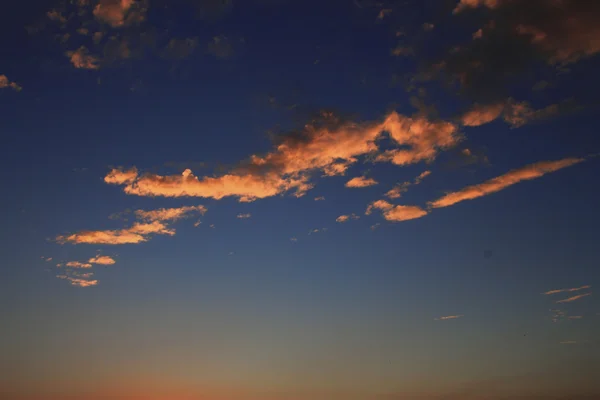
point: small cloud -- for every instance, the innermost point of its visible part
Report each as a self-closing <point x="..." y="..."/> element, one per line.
<point x="244" y="216"/>
<point x="428" y="26"/>
<point x="47" y="259"/>
<point x="77" y="264"/>
<point x="102" y="260"/>
<point x="499" y="183"/>
<point x="576" y="289"/>
<point x="211" y="226"/>
<point x="401" y="51"/>
<point x="81" y="58"/>
<point x="384" y="12"/>
<point x="197" y="223"/>
<point x="320" y="198"/>
<point x="293" y="239"/>
<point x="316" y="230"/>
<point x="79" y="282"/>
<point x="83" y="31"/>
<point x="179" y="49"/>
<point x="573" y="298"/>
<point x="6" y="83"/>
<point x="221" y="47"/>
<point x="55" y="15"/>
<point x="231" y="253"/>
<point x="396" y="213"/>
<point x="447" y="317"/>
<point x="360" y="182"/>
<point x="375" y="226"/>
<point x="345" y="218"/>
<point x="120" y="13"/>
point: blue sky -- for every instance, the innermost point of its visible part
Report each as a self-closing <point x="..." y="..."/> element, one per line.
<point x="180" y="218"/>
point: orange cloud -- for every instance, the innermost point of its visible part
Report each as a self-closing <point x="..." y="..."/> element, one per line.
<point x="81" y="58"/>
<point x="102" y="260"/>
<point x="346" y="218"/>
<point x="447" y="317"/>
<point x="119" y="13"/>
<point x="169" y="214"/>
<point x="514" y="113"/>
<point x="397" y="190"/>
<point x="401" y="51"/>
<point x="55" y="15"/>
<point x="6" y="83"/>
<point x="567" y="290"/>
<point x="79" y="282"/>
<point x="361" y="182"/>
<point x="384" y="12"/>
<point x="396" y="213"/>
<point x="528" y="172"/>
<point x="482" y="114"/>
<point x="464" y="4"/>
<point x="576" y="297"/>
<point x="137" y="233"/>
<point x="424" y="139"/>
<point x="330" y="146"/>
<point x="77" y="264"/>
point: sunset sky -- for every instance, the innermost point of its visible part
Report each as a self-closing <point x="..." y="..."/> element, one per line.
<point x="300" y="200"/>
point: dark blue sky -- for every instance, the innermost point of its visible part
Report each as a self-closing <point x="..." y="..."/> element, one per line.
<point x="436" y="289"/>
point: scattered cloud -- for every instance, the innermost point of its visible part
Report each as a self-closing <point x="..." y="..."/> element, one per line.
<point x="514" y="113"/>
<point x="55" y="15"/>
<point x="375" y="226"/>
<point x="221" y="47"/>
<point x="576" y="289"/>
<point x="396" y="213"/>
<point x="427" y="26"/>
<point x="77" y="264"/>
<point x="170" y="214"/>
<point x="6" y="83"/>
<point x="573" y="298"/>
<point x="384" y="12"/>
<point x="346" y="218"/>
<point x="575" y="317"/>
<point x="79" y="282"/>
<point x="137" y="233"/>
<point x="447" y="317"/>
<point x="320" y="198"/>
<point x="528" y="172"/>
<point x="293" y="239"/>
<point x="361" y="182"/>
<point x="402" y="51"/>
<point x="397" y="191"/>
<point x="244" y="216"/>
<point x="81" y="58"/>
<point x="102" y="260"/>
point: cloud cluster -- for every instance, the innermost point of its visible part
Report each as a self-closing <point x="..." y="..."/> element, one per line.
<point x="170" y="214"/>
<point x="513" y="113"/>
<point x="83" y="281"/>
<point x="77" y="264"/>
<point x="346" y="218"/>
<point x="515" y="176"/>
<point x="328" y="145"/>
<point x="82" y="59"/>
<point x="137" y="233"/>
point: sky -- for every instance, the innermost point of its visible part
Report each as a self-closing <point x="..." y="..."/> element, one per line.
<point x="299" y="200"/>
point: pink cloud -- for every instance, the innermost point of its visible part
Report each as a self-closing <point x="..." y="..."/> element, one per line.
<point x="396" y="213"/>
<point x="567" y="290"/>
<point x="77" y="264"/>
<point x="170" y="214"/>
<point x="573" y="298"/>
<point x="528" y="172"/>
<point x="346" y="218"/>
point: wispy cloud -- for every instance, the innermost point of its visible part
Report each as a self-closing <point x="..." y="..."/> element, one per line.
<point x="447" y="317"/>
<point x="576" y="317"/>
<point x="77" y="264"/>
<point x="244" y="216"/>
<point x="137" y="233"/>
<point x="102" y="260"/>
<point x="573" y="298"/>
<point x="320" y="198"/>
<point x="384" y="12"/>
<point x="396" y="213"/>
<point x="6" y="83"/>
<point x="397" y="191"/>
<point x="528" y="172"/>
<point x="576" y="289"/>
<point x="120" y="13"/>
<point x="79" y="282"/>
<point x="293" y="239"/>
<point x="361" y="182"/>
<point x="170" y="214"/>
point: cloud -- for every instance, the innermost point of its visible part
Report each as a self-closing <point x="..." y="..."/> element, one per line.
<point x="326" y="144"/>
<point x="320" y="198"/>
<point x="81" y="58"/>
<point x="482" y="114"/>
<point x="375" y="226"/>
<point x="396" y="213"/>
<point x="293" y="239"/>
<point x="120" y="13"/>
<point x="384" y="11"/>
<point x="447" y="317"/>
<point x="401" y="51"/>
<point x="554" y="291"/>
<point x="514" y="113"/>
<point x="361" y="182"/>
<point x="528" y="172"/>
<point x="77" y="264"/>
<point x="244" y="216"/>
<point x="137" y="233"/>
<point x="179" y="49"/>
<point x="518" y="34"/>
<point x="102" y="260"/>
<point x="79" y="282"/>
<point x="6" y="83"/>
<point x="346" y="218"/>
<point x="397" y="191"/>
<point x="221" y="47"/>
<point x="170" y="214"/>
<point x="55" y="15"/>
<point x="573" y="298"/>
<point x="575" y="317"/>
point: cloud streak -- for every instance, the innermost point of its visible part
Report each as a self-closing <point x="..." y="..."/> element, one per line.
<point x="396" y="213"/>
<point x="573" y="298"/>
<point x="137" y="233"/>
<point x="513" y="177"/>
<point x="576" y="289"/>
<point x="448" y="317"/>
